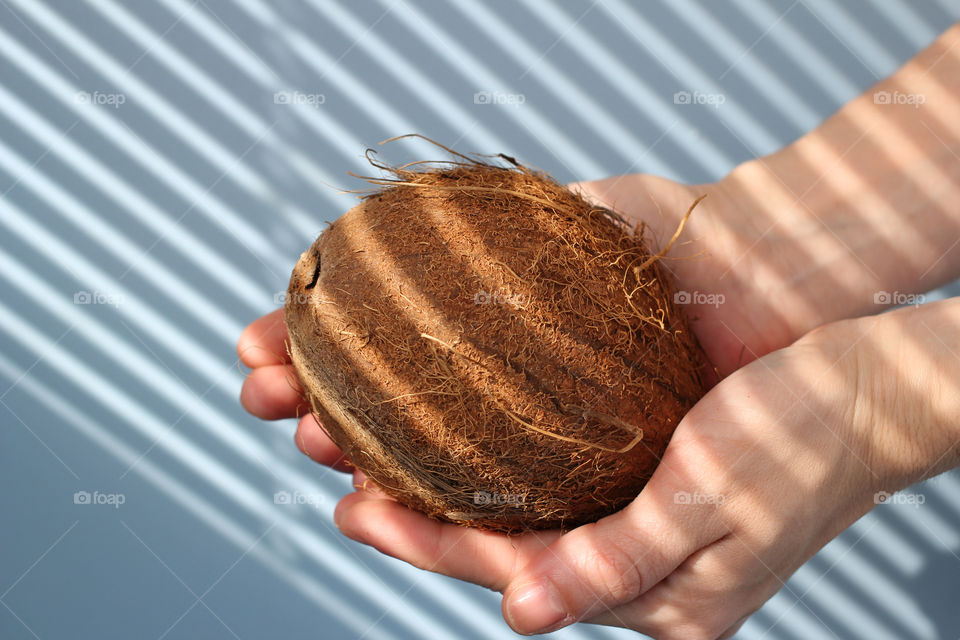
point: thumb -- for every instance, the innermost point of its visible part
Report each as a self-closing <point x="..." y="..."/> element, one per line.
<point x="601" y="565"/>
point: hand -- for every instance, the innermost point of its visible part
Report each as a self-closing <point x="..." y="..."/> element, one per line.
<point x="774" y="461"/>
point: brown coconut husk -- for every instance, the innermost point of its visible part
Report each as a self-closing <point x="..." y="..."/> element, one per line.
<point x="491" y="349"/>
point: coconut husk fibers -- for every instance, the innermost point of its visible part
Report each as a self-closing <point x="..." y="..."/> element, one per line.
<point x="491" y="349"/>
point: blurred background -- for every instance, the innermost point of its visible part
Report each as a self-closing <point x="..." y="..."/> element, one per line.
<point x="164" y="163"/>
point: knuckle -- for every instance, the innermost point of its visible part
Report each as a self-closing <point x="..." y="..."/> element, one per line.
<point x="692" y="615"/>
<point x="615" y="571"/>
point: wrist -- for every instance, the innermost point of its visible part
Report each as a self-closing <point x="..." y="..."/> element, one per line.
<point x="801" y="273"/>
<point x="904" y="370"/>
<point x="864" y="205"/>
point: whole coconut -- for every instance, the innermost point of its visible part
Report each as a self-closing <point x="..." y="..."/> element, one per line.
<point x="491" y="349"/>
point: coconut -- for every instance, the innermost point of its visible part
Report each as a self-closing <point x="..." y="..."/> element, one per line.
<point x="490" y="348"/>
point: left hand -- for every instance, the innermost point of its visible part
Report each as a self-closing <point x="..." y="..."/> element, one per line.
<point x="770" y="465"/>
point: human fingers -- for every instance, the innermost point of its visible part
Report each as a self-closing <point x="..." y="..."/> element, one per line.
<point x="264" y="341"/>
<point x="710" y="595"/>
<point x="313" y="441"/>
<point x="272" y="392"/>
<point x="485" y="558"/>
<point x="602" y="565"/>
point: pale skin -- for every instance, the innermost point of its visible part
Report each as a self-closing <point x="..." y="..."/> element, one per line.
<point x="821" y="402"/>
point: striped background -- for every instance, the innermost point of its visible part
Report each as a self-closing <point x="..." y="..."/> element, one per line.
<point x="168" y="160"/>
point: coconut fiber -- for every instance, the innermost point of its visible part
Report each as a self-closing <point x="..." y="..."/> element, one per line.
<point x="491" y="349"/>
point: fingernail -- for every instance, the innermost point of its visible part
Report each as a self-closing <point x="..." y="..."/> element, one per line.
<point x="337" y="515"/>
<point x="536" y="608"/>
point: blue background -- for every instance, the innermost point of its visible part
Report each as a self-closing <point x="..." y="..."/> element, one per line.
<point x="182" y="210"/>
